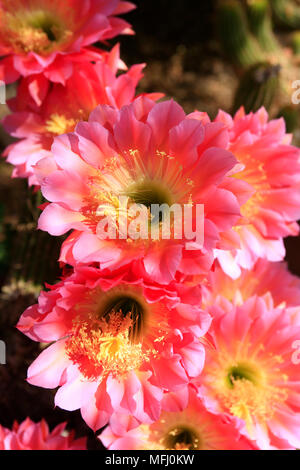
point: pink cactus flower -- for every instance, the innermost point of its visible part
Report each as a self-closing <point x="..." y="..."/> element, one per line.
<point x="191" y="427"/>
<point x="271" y="166"/>
<point x="148" y="154"/>
<point x="117" y="344"/>
<point x="48" y="37"/>
<point x="37" y="120"/>
<point x="36" y="436"/>
<point x="252" y="371"/>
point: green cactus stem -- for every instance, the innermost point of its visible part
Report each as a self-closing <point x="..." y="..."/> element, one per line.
<point x="34" y="256"/>
<point x="32" y="253"/>
<point x="260" y="23"/>
<point x="258" y="87"/>
<point x="238" y="43"/>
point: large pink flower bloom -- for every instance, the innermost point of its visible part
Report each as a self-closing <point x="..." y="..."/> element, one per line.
<point x="37" y="120"/>
<point x="271" y="166"/>
<point x="36" y="436"/>
<point x="252" y="371"/>
<point x="49" y="36"/>
<point x="118" y="344"/>
<point x="149" y="154"/>
<point x="183" y="426"/>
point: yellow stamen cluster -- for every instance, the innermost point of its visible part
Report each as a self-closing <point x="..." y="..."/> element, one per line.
<point x="58" y="124"/>
<point x="29" y="30"/>
<point x="252" y="402"/>
<point x="245" y="383"/>
<point x="31" y="40"/>
<point x="123" y="193"/>
<point x="103" y="347"/>
<point x="106" y="204"/>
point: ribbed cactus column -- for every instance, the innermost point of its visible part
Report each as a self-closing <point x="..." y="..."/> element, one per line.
<point x="32" y="253"/>
<point x="261" y="24"/>
<point x="236" y="38"/>
<point x="257" y="87"/>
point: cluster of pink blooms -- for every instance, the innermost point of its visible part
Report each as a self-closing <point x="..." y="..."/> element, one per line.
<point x="163" y="343"/>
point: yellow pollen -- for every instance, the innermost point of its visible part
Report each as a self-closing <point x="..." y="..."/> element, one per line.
<point x="32" y="40"/>
<point x="58" y="124"/>
<point x="29" y="30"/>
<point x="129" y="180"/>
<point x="247" y="382"/>
<point x="103" y="347"/>
<point x="252" y="402"/>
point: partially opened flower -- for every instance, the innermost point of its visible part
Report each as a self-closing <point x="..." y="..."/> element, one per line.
<point x="252" y="372"/>
<point x="48" y="37"/>
<point x="144" y="155"/>
<point x="117" y="346"/>
<point x="272" y="167"/>
<point x="36" y="436"/>
<point x="265" y="279"/>
<point x="191" y="428"/>
<point x="63" y="107"/>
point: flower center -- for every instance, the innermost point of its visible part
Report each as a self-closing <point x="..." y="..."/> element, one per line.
<point x="131" y="308"/>
<point x="242" y="371"/>
<point x="36" y="31"/>
<point x="182" y="438"/>
<point x="148" y="193"/>
<point x="45" y="23"/>
<point x="107" y="341"/>
<point x="247" y="394"/>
